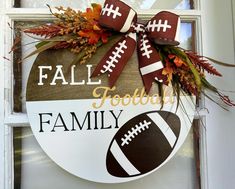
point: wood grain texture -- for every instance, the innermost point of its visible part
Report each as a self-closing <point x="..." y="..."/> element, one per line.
<point x="129" y="80"/>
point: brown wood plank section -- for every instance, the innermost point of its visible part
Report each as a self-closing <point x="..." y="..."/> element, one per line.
<point x="129" y="80"/>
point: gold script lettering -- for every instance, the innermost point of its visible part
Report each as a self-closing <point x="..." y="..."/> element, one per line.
<point x="138" y="97"/>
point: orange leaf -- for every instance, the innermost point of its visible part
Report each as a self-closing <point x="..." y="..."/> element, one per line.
<point x="178" y="62"/>
<point x="93" y="14"/>
<point x="92" y="36"/>
<point x="168" y="70"/>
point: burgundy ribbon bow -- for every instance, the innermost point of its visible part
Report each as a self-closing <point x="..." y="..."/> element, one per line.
<point x="162" y="29"/>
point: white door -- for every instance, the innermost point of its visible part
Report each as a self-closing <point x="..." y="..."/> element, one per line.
<point x="219" y="42"/>
<point x="209" y="26"/>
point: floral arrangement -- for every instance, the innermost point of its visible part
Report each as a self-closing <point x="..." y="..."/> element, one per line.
<point x="82" y="33"/>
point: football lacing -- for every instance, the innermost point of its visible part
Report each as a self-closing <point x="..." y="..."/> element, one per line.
<point x="109" y="10"/>
<point x="113" y="59"/>
<point x="154" y="25"/>
<point x="145" y="47"/>
<point x="138" y="27"/>
<point x="131" y="134"/>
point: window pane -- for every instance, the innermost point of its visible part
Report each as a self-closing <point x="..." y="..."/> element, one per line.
<point x="21" y="71"/>
<point x="33" y="169"/>
<point x="82" y="4"/>
<point x="187" y="37"/>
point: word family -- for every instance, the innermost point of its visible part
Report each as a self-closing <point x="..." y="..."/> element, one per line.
<point x="73" y="121"/>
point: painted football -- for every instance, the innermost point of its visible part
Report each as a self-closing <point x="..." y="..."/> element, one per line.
<point x="143" y="143"/>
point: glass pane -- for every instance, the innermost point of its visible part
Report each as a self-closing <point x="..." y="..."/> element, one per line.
<point x="187" y="36"/>
<point x="82" y="4"/>
<point x="33" y="169"/>
<point x="21" y="71"/>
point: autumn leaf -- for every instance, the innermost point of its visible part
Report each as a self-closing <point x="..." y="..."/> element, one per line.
<point x="92" y="36"/>
<point x="92" y="14"/>
<point x="177" y="61"/>
<point x="168" y="70"/>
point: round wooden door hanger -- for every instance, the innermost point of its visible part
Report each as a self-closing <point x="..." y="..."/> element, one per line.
<point x="102" y="134"/>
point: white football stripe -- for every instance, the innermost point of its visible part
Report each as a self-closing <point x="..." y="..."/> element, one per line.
<point x="122" y="159"/>
<point x="128" y="22"/>
<point x="132" y="35"/>
<point x="164" y="127"/>
<point x="177" y="35"/>
<point x="151" y="68"/>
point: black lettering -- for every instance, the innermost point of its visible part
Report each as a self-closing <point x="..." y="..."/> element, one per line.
<point x="102" y="121"/>
<point x="41" y="122"/>
<point x="96" y="126"/>
<point x="62" y="121"/>
<point x="116" y="118"/>
<point x="87" y="117"/>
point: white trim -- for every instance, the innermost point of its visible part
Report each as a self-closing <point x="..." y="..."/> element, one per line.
<point x="6" y="104"/>
<point x="203" y="154"/>
<point x="233" y="14"/>
<point x="197" y="4"/>
<point x="8" y="68"/>
<point x="27" y="13"/>
<point x="177" y="35"/>
<point x="9" y="4"/>
<point x="201" y="114"/>
<point x="182" y="13"/>
<point x="9" y="159"/>
<point x="17" y="120"/>
<point x="23" y="14"/>
<point x="2" y="128"/>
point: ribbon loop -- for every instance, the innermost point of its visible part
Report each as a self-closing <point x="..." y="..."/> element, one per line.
<point x="116" y="58"/>
<point x="150" y="63"/>
<point x="117" y="15"/>
<point x="162" y="29"/>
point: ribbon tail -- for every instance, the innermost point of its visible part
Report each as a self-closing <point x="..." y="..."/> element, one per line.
<point x="150" y="64"/>
<point x="116" y="58"/>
